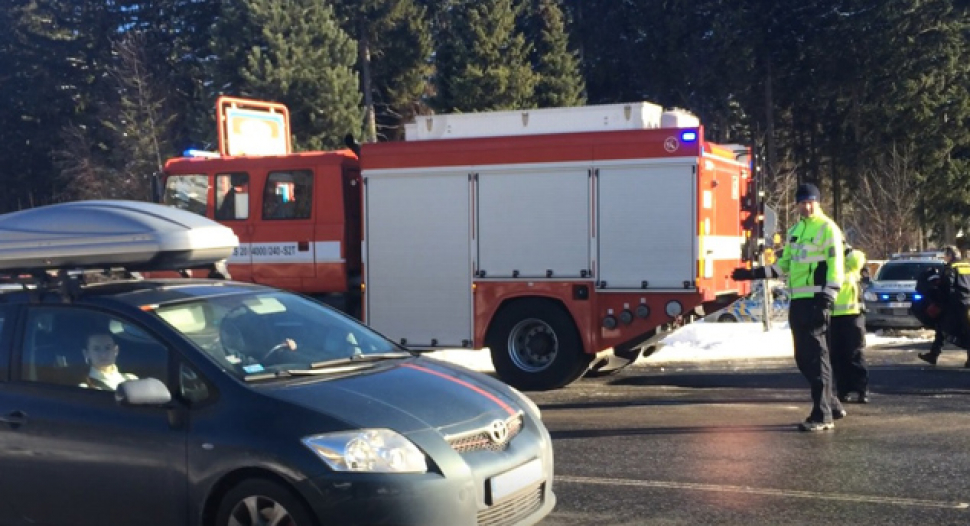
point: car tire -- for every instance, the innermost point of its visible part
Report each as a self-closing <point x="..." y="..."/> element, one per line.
<point x="255" y="502"/>
<point x="536" y="346"/>
<point x="727" y="318"/>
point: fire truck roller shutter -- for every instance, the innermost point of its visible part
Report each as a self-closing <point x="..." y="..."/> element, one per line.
<point x="535" y="345"/>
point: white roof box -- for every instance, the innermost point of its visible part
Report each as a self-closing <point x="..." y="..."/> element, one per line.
<point x="602" y="117"/>
<point x="109" y="234"/>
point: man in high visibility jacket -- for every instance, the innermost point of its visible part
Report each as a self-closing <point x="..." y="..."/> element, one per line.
<point x="813" y="261"/>
<point x="847" y="335"/>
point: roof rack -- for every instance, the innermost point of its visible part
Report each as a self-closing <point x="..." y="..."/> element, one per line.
<point x="64" y="246"/>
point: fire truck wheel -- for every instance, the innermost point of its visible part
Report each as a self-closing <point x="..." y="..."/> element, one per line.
<point x="535" y="345"/>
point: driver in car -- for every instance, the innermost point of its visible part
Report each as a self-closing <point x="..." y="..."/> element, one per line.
<point x="246" y="339"/>
<point x="101" y="352"/>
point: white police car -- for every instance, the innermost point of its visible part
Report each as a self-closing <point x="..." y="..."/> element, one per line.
<point x="750" y="308"/>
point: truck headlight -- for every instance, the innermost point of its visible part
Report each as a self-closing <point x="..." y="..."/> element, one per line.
<point x="369" y="451"/>
<point x="869" y="296"/>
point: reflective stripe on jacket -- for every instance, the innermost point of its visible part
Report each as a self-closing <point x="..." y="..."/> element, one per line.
<point x="849" y="300"/>
<point x="813" y="258"/>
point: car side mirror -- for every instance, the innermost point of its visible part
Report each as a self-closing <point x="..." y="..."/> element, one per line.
<point x="145" y="391"/>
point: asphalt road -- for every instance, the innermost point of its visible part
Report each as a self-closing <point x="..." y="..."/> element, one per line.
<point x="700" y="444"/>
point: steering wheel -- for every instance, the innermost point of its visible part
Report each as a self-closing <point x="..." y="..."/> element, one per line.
<point x="287" y="344"/>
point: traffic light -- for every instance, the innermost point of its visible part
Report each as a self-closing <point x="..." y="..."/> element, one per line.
<point x="753" y="213"/>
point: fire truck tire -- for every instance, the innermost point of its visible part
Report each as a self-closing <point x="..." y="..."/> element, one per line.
<point x="535" y="345"/>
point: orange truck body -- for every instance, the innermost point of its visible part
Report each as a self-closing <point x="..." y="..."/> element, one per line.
<point x="563" y="251"/>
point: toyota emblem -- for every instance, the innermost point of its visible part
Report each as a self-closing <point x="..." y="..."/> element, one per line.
<point x="498" y="431"/>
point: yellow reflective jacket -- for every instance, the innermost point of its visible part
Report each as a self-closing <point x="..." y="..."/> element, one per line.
<point x="812" y="258"/>
<point x="849" y="300"/>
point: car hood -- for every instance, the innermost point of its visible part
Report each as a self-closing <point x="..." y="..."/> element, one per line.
<point x="406" y="395"/>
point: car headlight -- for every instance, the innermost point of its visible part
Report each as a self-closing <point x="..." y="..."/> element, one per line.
<point x="368" y="450"/>
<point x="527" y="402"/>
<point x="869" y="296"/>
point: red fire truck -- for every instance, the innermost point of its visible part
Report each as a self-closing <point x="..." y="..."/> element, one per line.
<point x="565" y="240"/>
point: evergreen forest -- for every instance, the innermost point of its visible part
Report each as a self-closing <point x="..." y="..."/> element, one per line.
<point x="867" y="98"/>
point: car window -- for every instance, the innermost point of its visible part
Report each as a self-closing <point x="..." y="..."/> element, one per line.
<point x="254" y="333"/>
<point x="904" y="271"/>
<point x="288" y="195"/>
<point x="232" y="196"/>
<point x="192" y="387"/>
<point x="78" y="347"/>
<point x="187" y="192"/>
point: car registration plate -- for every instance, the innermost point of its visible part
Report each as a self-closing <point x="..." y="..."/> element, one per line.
<point x="513" y="480"/>
<point x="899" y="304"/>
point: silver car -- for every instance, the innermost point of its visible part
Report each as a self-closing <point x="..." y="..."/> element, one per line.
<point x="891" y="293"/>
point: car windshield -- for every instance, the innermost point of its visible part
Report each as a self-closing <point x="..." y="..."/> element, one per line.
<point x="269" y="334"/>
<point x="904" y="271"/>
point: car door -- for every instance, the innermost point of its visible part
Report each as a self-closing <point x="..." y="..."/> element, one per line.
<point x="282" y="247"/>
<point x="7" y="313"/>
<point x="73" y="454"/>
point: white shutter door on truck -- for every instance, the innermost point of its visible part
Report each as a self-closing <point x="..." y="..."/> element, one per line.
<point x="418" y="260"/>
<point x="647" y="225"/>
<point x="533" y="220"/>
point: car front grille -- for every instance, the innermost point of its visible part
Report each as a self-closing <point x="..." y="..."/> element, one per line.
<point x="513" y="509"/>
<point x="893" y="312"/>
<point x="483" y="440"/>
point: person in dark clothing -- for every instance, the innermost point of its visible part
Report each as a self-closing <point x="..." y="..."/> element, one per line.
<point x="847" y="333"/>
<point x="928" y="307"/>
<point x="813" y="261"/>
<point x="955" y="292"/>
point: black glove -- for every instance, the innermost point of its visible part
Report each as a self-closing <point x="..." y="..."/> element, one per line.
<point x="823" y="309"/>
<point x="742" y="274"/>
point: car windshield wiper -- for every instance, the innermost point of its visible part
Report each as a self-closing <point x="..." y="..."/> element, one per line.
<point x="266" y="375"/>
<point x="360" y="358"/>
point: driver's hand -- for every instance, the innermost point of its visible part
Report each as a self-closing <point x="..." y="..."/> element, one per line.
<point x="290" y="344"/>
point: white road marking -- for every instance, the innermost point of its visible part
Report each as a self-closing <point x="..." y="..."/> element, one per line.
<point x="870" y="499"/>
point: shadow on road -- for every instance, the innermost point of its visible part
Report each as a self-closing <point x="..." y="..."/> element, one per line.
<point x="895" y="379"/>
<point x="644" y="431"/>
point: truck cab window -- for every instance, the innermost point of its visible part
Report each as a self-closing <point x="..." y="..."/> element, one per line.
<point x="288" y="195"/>
<point x="187" y="192"/>
<point x="232" y="196"/>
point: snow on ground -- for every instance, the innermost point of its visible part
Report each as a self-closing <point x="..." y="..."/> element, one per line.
<point x="701" y="341"/>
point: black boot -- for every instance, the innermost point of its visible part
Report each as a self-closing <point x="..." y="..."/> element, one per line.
<point x="929" y="357"/>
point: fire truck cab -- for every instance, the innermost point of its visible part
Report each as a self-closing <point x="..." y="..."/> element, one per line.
<point x="297" y="217"/>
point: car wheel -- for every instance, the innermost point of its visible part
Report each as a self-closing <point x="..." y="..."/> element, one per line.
<point x="727" y="318"/>
<point x="261" y="502"/>
<point x="535" y="345"/>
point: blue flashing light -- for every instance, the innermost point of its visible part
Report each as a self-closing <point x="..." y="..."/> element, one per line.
<point x="917" y="297"/>
<point x="884" y="297"/>
<point x="688" y="136"/>
<point x="199" y="153"/>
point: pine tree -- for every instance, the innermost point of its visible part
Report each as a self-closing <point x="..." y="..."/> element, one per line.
<point x="395" y="49"/>
<point x="482" y="60"/>
<point x="293" y="52"/>
<point x="560" y="81"/>
<point x="51" y="80"/>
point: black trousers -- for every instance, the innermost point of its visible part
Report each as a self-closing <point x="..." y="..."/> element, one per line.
<point x="812" y="356"/>
<point x="847" y="341"/>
